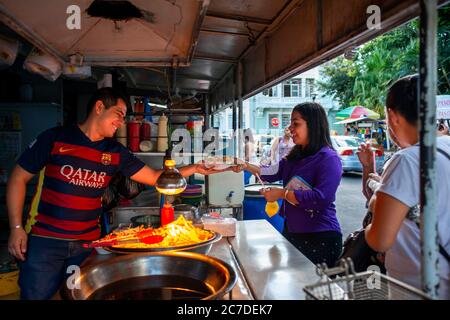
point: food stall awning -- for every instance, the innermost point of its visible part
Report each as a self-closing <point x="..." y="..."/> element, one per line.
<point x="201" y="46"/>
<point x="365" y="119"/>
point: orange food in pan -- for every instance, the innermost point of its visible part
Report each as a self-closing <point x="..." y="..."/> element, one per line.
<point x="180" y="232"/>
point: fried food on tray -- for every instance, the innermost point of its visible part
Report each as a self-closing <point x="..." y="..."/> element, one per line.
<point x="180" y="232"/>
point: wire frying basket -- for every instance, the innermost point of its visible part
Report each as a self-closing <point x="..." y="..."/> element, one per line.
<point x="343" y="283"/>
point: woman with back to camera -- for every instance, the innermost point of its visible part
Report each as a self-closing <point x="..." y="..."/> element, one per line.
<point x="311" y="174"/>
<point x="395" y="223"/>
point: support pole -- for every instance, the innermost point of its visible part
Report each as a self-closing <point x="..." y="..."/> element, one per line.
<point x="240" y="106"/>
<point x="427" y="118"/>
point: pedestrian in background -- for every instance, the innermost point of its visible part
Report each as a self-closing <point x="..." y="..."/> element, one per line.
<point x="281" y="146"/>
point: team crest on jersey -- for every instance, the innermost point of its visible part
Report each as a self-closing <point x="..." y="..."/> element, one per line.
<point x="106" y="158"/>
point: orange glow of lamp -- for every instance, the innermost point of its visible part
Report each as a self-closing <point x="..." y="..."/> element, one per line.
<point x="170" y="182"/>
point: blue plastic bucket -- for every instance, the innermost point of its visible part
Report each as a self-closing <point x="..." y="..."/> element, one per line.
<point x="254" y="206"/>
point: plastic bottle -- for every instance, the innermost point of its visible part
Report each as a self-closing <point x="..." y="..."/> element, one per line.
<point x="167" y="214"/>
<point x="145" y="130"/>
<point x="139" y="108"/>
<point x="133" y="135"/>
<point x="162" y="134"/>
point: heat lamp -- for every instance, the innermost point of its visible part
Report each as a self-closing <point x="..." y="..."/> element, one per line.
<point x="170" y="182"/>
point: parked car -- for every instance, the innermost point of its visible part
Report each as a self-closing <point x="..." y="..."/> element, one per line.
<point x="347" y="147"/>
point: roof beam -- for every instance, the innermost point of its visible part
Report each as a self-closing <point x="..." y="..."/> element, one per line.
<point x="215" y="58"/>
<point x="228" y="16"/>
<point x="223" y="32"/>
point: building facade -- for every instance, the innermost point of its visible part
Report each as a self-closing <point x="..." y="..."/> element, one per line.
<point x="269" y="112"/>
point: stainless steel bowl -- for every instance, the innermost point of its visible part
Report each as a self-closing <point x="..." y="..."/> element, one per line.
<point x="154" y="276"/>
<point x="202" y="247"/>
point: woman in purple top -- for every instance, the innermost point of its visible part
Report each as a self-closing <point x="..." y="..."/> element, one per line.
<point x="311" y="174"/>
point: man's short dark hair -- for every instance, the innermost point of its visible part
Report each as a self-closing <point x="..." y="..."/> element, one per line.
<point x="108" y="96"/>
<point x="403" y="97"/>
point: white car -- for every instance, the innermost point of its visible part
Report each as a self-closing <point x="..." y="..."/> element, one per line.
<point x="347" y="146"/>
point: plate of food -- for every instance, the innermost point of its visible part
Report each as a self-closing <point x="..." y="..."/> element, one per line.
<point x="219" y="162"/>
<point x="179" y="235"/>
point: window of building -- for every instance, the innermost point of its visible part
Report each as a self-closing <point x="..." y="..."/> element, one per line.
<point x="285" y="120"/>
<point x="272" y="92"/>
<point x="292" y="88"/>
<point x="309" y="87"/>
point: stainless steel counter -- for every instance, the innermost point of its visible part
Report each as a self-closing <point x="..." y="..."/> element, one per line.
<point x="273" y="268"/>
<point x="268" y="267"/>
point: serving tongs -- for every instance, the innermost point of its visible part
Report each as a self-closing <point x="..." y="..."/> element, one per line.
<point x="144" y="236"/>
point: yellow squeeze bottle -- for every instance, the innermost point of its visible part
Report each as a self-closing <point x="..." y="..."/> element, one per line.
<point x="272" y="208"/>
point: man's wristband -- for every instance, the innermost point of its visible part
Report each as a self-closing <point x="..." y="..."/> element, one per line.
<point x="286" y="193"/>
<point x="17" y="226"/>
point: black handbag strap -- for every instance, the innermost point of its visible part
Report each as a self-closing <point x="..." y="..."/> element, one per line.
<point x="441" y="248"/>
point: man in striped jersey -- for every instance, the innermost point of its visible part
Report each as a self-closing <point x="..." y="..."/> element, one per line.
<point x="75" y="165"/>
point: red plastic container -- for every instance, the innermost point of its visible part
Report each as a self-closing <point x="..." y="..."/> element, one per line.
<point x="139" y="107"/>
<point x="133" y="135"/>
<point x="145" y="131"/>
<point x="167" y="214"/>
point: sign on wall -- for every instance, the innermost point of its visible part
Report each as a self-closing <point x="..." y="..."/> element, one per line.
<point x="443" y="107"/>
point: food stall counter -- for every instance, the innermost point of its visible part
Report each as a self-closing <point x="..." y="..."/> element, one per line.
<point x="267" y="266"/>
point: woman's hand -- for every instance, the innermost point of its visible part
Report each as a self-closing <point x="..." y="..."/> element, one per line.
<point x="272" y="194"/>
<point x="17" y="243"/>
<point x="365" y="155"/>
<point x="239" y="165"/>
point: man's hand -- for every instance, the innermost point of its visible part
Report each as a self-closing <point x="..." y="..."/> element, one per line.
<point x="17" y="243"/>
<point x="272" y="194"/>
<point x="202" y="169"/>
<point x="365" y="155"/>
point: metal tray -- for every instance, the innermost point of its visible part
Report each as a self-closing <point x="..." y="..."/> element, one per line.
<point x="202" y="247"/>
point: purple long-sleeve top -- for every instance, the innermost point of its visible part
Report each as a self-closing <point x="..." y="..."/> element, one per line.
<point x="316" y="211"/>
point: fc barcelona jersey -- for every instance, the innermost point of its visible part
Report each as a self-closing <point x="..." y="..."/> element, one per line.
<point x="73" y="174"/>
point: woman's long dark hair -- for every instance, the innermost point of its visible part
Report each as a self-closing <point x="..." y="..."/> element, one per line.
<point x="318" y="130"/>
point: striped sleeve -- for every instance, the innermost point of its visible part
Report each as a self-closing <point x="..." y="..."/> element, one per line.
<point x="129" y="163"/>
<point x="37" y="154"/>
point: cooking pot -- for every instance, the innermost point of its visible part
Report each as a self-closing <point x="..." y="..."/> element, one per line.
<point x="161" y="276"/>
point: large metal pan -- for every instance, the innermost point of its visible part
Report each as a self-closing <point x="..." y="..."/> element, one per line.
<point x="202" y="247"/>
<point x="153" y="276"/>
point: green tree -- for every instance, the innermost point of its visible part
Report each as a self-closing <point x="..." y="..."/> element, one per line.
<point x="338" y="80"/>
<point x="444" y="51"/>
<point x="364" y="80"/>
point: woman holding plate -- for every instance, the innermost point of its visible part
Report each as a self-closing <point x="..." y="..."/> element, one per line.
<point x="311" y="174"/>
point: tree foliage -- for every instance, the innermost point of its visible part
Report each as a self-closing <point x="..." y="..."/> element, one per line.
<point x="364" y="80"/>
